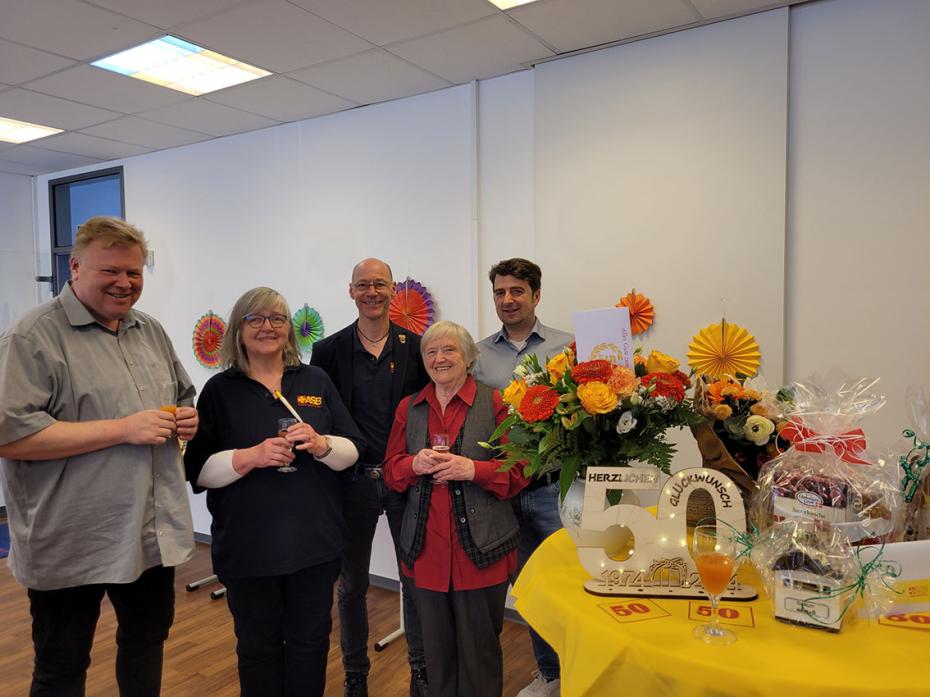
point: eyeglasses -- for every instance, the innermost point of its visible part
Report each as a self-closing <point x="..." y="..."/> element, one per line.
<point x="362" y="286"/>
<point x="258" y="321"/>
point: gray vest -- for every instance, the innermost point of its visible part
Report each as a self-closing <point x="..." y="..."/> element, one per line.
<point x="491" y="522"/>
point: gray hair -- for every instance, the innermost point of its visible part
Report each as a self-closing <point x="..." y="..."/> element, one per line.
<point x="444" y="329"/>
<point x="232" y="352"/>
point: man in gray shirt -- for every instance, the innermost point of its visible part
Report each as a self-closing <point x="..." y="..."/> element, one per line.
<point x="92" y="401"/>
<point x="517" y="283"/>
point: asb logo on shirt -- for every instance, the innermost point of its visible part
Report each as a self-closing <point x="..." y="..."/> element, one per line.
<point x="309" y="400"/>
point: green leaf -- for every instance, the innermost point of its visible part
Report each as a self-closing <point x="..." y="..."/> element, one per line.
<point x="504" y="427"/>
<point x="549" y="441"/>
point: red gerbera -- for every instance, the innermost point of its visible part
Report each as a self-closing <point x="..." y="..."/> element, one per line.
<point x="670" y="385"/>
<point x="538" y="403"/>
<point x="592" y="371"/>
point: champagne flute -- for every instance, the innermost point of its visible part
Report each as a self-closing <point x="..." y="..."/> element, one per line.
<point x="283" y="425"/>
<point x="714" y="555"/>
<point x="440" y="443"/>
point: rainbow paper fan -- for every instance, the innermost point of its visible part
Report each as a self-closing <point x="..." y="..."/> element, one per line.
<point x="412" y="307"/>
<point x="207" y="339"/>
<point x="724" y="349"/>
<point x="308" y="325"/>
<point x="642" y="313"/>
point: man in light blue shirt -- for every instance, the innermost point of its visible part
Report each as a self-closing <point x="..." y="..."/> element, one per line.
<point x="517" y="283"/>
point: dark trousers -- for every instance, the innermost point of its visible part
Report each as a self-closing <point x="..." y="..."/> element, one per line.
<point x="63" y="626"/>
<point x="461" y="633"/>
<point x="365" y="500"/>
<point x="282" y="628"/>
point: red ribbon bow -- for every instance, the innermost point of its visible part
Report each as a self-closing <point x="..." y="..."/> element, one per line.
<point x="846" y="445"/>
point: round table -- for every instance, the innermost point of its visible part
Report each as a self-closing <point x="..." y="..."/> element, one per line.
<point x="608" y="647"/>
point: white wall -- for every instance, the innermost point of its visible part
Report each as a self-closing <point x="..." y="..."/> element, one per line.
<point x="859" y="197"/>
<point x="18" y="291"/>
<point x="660" y="165"/>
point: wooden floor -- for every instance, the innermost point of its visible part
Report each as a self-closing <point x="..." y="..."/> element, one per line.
<point x="200" y="656"/>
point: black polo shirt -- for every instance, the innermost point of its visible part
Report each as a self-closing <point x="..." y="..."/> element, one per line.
<point x="270" y="523"/>
<point x="371" y="396"/>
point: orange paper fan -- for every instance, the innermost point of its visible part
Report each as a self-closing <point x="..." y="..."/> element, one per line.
<point x="724" y="349"/>
<point x="642" y="313"/>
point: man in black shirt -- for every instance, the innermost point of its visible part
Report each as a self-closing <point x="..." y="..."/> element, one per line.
<point x="374" y="364"/>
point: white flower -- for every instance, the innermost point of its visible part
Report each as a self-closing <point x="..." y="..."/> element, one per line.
<point x="758" y="429"/>
<point x="520" y="371"/>
<point x="635" y="399"/>
<point x="626" y="423"/>
<point x="664" y="403"/>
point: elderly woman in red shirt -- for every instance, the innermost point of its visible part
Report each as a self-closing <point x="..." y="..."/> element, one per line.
<point x="459" y="535"/>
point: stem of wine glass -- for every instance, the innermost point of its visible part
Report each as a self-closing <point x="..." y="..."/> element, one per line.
<point x="714" y="626"/>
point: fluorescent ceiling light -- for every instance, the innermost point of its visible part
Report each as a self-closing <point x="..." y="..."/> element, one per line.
<point x="507" y="4"/>
<point x="13" y="131"/>
<point x="180" y="65"/>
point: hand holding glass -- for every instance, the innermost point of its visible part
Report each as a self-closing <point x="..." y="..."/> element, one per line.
<point x="283" y="425"/>
<point x="714" y="555"/>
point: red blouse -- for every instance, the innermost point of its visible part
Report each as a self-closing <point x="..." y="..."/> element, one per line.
<point x="444" y="565"/>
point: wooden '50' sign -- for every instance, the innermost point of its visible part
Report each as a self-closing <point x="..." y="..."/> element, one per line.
<point x="659" y="563"/>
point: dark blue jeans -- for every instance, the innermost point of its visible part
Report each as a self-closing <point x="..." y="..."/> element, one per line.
<point x="365" y="500"/>
<point x="538" y="513"/>
<point x="282" y="630"/>
<point x="63" y="626"/>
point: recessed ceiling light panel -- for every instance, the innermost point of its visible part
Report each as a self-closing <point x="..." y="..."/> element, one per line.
<point x="13" y="131"/>
<point x="180" y="65"/>
<point x="507" y="4"/>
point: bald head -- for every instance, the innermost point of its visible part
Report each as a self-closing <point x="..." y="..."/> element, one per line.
<point x="367" y="267"/>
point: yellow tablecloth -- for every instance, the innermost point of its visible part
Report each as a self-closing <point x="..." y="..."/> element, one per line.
<point x="601" y="657"/>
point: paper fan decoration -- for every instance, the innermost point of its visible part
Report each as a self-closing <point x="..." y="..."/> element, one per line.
<point x="308" y="325"/>
<point x="207" y="339"/>
<point x="642" y="313"/>
<point x="412" y="306"/>
<point x="724" y="349"/>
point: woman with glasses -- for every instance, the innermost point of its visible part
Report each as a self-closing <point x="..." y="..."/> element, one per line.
<point x="459" y="535"/>
<point x="275" y="497"/>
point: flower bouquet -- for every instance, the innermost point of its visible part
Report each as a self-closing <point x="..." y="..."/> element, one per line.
<point x="569" y="416"/>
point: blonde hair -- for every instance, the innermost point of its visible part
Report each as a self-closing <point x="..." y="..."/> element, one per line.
<point x="109" y="231"/>
<point x="444" y="329"/>
<point x="232" y="351"/>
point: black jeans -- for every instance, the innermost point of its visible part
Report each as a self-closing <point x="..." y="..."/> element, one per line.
<point x="365" y="500"/>
<point x="63" y="626"/>
<point x="282" y="630"/>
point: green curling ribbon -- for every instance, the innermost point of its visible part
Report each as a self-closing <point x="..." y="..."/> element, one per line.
<point x="745" y="540"/>
<point x="913" y="465"/>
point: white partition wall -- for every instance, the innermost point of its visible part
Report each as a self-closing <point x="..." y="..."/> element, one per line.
<point x="859" y="197"/>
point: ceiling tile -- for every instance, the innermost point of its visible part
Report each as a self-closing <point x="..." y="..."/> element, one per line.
<point x="99" y="87"/>
<point x="21" y="63"/>
<point x="208" y="117"/>
<point x="483" y="49"/>
<point x="8" y="167"/>
<point x="711" y="9"/>
<point x="274" y="35"/>
<point x="70" y="28"/>
<point x="387" y="21"/>
<point x="166" y="13"/>
<point x="370" y="77"/>
<point x="91" y="146"/>
<point x="147" y="133"/>
<point x="43" y="109"/>
<point x="605" y="21"/>
<point x="281" y="98"/>
<point x="39" y="157"/>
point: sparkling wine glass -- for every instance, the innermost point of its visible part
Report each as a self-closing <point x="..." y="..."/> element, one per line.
<point x="714" y="555"/>
<point x="283" y="425"/>
<point x="440" y="443"/>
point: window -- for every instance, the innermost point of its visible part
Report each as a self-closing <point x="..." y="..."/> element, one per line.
<point x="73" y="200"/>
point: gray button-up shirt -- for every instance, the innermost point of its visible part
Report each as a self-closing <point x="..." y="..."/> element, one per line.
<point x="105" y="516"/>
<point x="498" y="357"/>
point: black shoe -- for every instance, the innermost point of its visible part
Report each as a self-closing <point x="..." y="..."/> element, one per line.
<point x="356" y="685"/>
<point x="419" y="686"/>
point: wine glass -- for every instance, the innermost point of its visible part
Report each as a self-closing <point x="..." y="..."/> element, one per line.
<point x="283" y="425"/>
<point x="440" y="443"/>
<point x="714" y="555"/>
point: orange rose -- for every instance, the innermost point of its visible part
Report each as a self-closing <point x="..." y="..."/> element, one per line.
<point x="514" y="392"/>
<point x="622" y="381"/>
<point x="557" y="366"/>
<point x="597" y="398"/>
